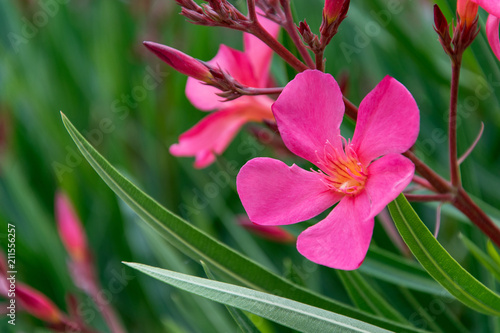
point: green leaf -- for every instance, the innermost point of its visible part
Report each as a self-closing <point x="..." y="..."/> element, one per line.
<point x="295" y="315"/>
<point x="440" y="265"/>
<point x="389" y="267"/>
<point x="244" y="323"/>
<point x="366" y="297"/>
<point x="482" y="257"/>
<point x="201" y="246"/>
<point x="493" y="252"/>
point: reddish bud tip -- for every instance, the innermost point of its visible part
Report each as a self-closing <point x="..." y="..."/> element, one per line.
<point x="179" y="61"/>
<point x="272" y="233"/>
<point x="37" y="304"/>
<point x="70" y="229"/>
<point x="467" y="12"/>
<point x="332" y="10"/>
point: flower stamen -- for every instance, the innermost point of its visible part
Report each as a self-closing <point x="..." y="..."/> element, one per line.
<point x="341" y="169"/>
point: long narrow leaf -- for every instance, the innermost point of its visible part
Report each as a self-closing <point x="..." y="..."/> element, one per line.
<point x="243" y="322"/>
<point x="439" y="263"/>
<point x="482" y="257"/>
<point x="388" y="267"/>
<point x="201" y="246"/>
<point x="295" y="315"/>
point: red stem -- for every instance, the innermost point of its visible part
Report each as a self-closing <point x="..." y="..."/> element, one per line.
<point x="456" y="63"/>
<point x="290" y="27"/>
<point x="429" y="197"/>
<point x="258" y="31"/>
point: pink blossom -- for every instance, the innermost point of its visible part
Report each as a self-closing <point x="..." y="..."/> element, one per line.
<point x="492" y="24"/>
<point x="213" y="133"/>
<point x="363" y="174"/>
<point x="70" y="229"/>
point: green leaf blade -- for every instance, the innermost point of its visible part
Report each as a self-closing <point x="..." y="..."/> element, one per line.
<point x="295" y="315"/>
<point x="438" y="262"/>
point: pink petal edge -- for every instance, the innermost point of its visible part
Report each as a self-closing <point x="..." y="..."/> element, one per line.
<point x="492" y="26"/>
<point x="491" y="6"/>
<point x="387" y="178"/>
<point x="309" y="112"/>
<point x="273" y="193"/>
<point x="213" y="133"/>
<point x="342" y="239"/>
<point x="388" y="121"/>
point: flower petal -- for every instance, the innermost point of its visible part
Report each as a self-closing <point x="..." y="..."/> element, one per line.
<point x="342" y="239"/>
<point x="388" y="121"/>
<point x="491" y="6"/>
<point x="275" y="194"/>
<point x="387" y="178"/>
<point x="232" y="61"/>
<point x="213" y="133"/>
<point x="492" y="26"/>
<point x="258" y="52"/>
<point x="309" y="112"/>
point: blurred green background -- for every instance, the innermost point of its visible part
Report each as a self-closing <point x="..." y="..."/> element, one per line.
<point x="86" y="59"/>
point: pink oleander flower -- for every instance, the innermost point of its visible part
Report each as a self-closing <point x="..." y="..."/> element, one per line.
<point x="213" y="133"/>
<point x="492" y="24"/>
<point x="363" y="174"/>
<point x="70" y="229"/>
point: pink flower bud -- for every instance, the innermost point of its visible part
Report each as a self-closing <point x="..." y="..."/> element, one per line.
<point x="272" y="233"/>
<point x="179" y="61"/>
<point x="70" y="229"/>
<point x="332" y="10"/>
<point x="37" y="304"/>
<point x="467" y="11"/>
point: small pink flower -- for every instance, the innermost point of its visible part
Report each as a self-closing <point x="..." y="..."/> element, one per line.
<point x="308" y="113"/>
<point x="492" y="24"/>
<point x="213" y="133"/>
<point x="70" y="229"/>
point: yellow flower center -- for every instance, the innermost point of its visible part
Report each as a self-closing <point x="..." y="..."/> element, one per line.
<point x="341" y="169"/>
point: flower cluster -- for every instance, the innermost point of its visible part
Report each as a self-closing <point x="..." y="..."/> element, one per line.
<point x="361" y="175"/>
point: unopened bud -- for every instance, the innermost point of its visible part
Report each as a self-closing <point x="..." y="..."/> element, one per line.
<point x="272" y="233"/>
<point x="181" y="62"/>
<point x="467" y="12"/>
<point x="332" y="10"/>
<point x="70" y="229"/>
<point x="37" y="304"/>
